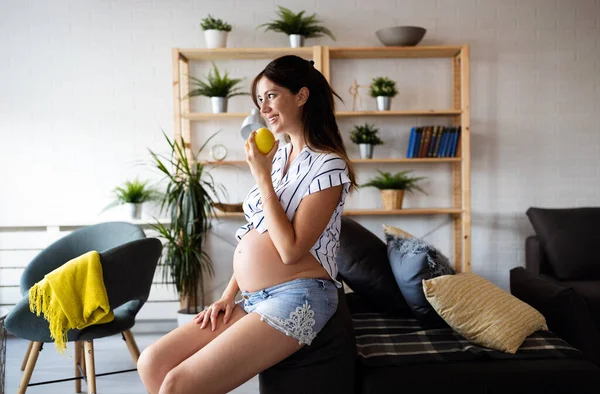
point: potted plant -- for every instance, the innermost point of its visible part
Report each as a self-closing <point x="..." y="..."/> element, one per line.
<point x="297" y="26"/>
<point x="215" y="32"/>
<point x="218" y="87"/>
<point x="366" y="137"/>
<point x="392" y="187"/>
<point x="383" y="89"/>
<point x="134" y="194"/>
<point x="189" y="204"/>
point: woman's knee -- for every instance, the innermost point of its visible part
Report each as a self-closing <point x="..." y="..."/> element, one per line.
<point x="148" y="365"/>
<point x="172" y="384"/>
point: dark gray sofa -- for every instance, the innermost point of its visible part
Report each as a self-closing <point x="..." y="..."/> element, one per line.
<point x="561" y="277"/>
<point x="331" y="364"/>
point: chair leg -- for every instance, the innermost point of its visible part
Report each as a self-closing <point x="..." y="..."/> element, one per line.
<point x="131" y="345"/>
<point x="24" y="363"/>
<point x="90" y="369"/>
<point x="78" y="350"/>
<point x="31" y="360"/>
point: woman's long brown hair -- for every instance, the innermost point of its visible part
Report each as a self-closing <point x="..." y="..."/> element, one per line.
<point x="321" y="131"/>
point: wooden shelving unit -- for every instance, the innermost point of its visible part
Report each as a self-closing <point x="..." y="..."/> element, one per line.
<point x="459" y="114"/>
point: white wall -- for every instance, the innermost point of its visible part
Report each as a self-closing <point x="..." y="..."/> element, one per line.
<point x="85" y="88"/>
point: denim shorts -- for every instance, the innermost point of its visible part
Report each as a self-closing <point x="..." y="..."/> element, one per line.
<point x="299" y="308"/>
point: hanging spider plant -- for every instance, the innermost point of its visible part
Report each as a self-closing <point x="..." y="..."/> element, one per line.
<point x="188" y="200"/>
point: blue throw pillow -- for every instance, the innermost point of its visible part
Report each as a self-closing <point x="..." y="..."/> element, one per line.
<point x="413" y="260"/>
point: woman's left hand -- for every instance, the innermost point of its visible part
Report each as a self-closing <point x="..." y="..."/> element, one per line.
<point x="260" y="164"/>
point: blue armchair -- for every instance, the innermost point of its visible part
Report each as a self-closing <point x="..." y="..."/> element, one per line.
<point x="128" y="268"/>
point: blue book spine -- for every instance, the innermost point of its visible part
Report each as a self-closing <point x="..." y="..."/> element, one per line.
<point x="454" y="142"/>
<point x="417" y="144"/>
<point x="411" y="142"/>
<point x="442" y="152"/>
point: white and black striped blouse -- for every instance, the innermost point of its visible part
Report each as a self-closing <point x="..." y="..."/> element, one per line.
<point x="309" y="173"/>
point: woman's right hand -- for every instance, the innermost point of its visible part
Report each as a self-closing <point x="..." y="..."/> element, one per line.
<point x="210" y="314"/>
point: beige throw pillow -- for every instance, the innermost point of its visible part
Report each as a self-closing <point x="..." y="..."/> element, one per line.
<point x="482" y="312"/>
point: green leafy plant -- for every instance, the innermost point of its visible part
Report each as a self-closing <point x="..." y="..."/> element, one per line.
<point x="189" y="202"/>
<point x="134" y="192"/>
<point x="210" y="23"/>
<point x="365" y="134"/>
<point x="291" y="23"/>
<point x="398" y="181"/>
<point x="216" y="85"/>
<point x="383" y="86"/>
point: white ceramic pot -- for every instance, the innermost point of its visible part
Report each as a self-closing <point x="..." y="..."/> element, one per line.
<point x="296" y="40"/>
<point x="184" y="318"/>
<point x="135" y="210"/>
<point x="384" y="103"/>
<point x="366" y="151"/>
<point x="219" y="104"/>
<point x="215" y="38"/>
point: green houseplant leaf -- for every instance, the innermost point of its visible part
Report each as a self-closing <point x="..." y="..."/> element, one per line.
<point x="292" y="23"/>
<point x="210" y="23"/>
<point x="216" y="85"/>
<point x="398" y="181"/>
<point x="365" y="134"/>
<point x="383" y="86"/>
<point x="188" y="201"/>
<point x="134" y="192"/>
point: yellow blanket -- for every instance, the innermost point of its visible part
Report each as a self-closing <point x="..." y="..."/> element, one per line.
<point x="72" y="296"/>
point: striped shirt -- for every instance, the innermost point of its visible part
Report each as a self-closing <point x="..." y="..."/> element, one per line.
<point x="310" y="172"/>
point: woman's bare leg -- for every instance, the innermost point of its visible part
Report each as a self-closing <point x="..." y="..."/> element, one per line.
<point x="245" y="349"/>
<point x="176" y="346"/>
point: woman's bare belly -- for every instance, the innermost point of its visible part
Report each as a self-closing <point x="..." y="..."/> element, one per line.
<point x="257" y="264"/>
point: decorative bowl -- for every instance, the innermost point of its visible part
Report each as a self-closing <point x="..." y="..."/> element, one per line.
<point x="401" y="36"/>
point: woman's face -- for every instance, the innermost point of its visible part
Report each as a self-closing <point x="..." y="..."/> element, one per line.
<point x="280" y="108"/>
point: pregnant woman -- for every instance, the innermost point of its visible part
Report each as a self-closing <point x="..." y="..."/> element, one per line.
<point x="284" y="264"/>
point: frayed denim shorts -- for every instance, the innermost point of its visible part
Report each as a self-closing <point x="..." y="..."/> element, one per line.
<point x="299" y="308"/>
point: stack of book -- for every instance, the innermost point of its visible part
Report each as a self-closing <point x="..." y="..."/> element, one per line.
<point x="434" y="141"/>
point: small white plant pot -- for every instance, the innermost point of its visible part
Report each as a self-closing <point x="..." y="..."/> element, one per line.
<point x="135" y="210"/>
<point x="384" y="103"/>
<point x="216" y="38"/>
<point x="219" y="104"/>
<point x="366" y="151"/>
<point x="296" y="40"/>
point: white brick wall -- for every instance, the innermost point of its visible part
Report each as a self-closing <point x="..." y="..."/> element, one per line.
<point x="85" y="87"/>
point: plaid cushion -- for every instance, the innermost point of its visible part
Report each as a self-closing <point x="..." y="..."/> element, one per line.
<point x="382" y="339"/>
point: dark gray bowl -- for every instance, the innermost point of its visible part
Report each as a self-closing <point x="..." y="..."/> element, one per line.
<point x="401" y="36"/>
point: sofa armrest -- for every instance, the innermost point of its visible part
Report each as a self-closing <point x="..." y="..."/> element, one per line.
<point x="533" y="254"/>
<point x="566" y="312"/>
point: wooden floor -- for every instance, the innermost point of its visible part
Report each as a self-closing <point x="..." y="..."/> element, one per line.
<point x="111" y="355"/>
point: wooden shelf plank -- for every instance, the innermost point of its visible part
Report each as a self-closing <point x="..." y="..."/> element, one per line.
<point x="335" y="53"/>
<point x="358" y="161"/>
<point x="210" y="116"/>
<point x="243" y="53"/>
<point x="407" y="211"/>
<point x="427" y="112"/>
<point x="241" y="115"/>
<point x="394" y="52"/>
<point x="405" y="160"/>
<point x="376" y="212"/>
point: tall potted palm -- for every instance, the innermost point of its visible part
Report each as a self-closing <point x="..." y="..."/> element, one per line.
<point x="188" y="201"/>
